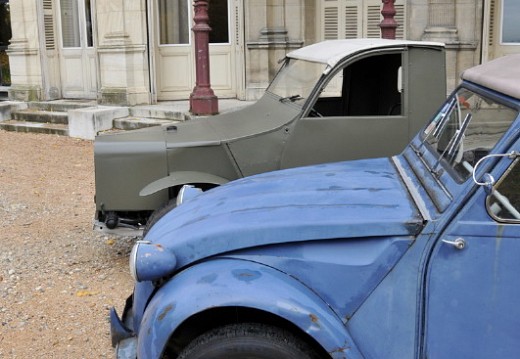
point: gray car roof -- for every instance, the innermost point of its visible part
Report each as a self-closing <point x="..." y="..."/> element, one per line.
<point x="332" y="51"/>
<point x="501" y="74"/>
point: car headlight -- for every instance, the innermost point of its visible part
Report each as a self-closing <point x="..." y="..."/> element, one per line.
<point x="149" y="261"/>
<point x="186" y="193"/>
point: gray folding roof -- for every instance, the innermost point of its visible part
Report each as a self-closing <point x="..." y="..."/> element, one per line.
<point x="501" y="74"/>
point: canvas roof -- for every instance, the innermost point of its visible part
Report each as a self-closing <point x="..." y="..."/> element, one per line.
<point x="501" y="74"/>
<point x="332" y="51"/>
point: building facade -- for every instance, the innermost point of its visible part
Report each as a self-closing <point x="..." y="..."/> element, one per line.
<point x="132" y="52"/>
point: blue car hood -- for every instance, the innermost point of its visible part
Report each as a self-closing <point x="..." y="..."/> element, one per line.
<point x="353" y="199"/>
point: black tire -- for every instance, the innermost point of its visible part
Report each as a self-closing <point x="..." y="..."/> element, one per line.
<point x="158" y="214"/>
<point x="248" y="341"/>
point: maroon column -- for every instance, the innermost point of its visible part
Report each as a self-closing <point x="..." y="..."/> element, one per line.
<point x="388" y="25"/>
<point x="202" y="100"/>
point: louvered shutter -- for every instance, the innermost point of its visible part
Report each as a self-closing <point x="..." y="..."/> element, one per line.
<point x="48" y="23"/>
<point x="372" y="12"/>
<point x="401" y="19"/>
<point x="331" y="18"/>
<point x="373" y="17"/>
<point x="492" y="9"/>
<point x="350" y="19"/>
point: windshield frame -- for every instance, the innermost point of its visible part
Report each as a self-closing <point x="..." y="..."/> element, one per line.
<point x="437" y="163"/>
<point x="296" y="80"/>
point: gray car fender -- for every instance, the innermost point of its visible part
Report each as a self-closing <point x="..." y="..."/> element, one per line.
<point x="180" y="178"/>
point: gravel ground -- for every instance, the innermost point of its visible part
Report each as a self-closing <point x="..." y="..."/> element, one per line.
<point x="58" y="278"/>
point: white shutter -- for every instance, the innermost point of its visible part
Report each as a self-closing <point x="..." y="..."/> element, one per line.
<point x="353" y="17"/>
<point x="400" y="17"/>
<point x="372" y="14"/>
<point x="373" y="17"/>
<point x="48" y="24"/>
<point x="350" y="19"/>
<point x="331" y="18"/>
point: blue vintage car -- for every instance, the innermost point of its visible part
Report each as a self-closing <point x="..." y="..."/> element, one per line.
<point x="413" y="256"/>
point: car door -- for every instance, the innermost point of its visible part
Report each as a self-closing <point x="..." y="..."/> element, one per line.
<point x="359" y="114"/>
<point x="473" y="290"/>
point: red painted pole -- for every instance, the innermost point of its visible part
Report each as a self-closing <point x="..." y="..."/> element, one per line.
<point x="388" y="25"/>
<point x="202" y="100"/>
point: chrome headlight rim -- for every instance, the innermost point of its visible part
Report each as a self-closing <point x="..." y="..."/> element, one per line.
<point x="186" y="193"/>
<point x="151" y="261"/>
<point x="133" y="259"/>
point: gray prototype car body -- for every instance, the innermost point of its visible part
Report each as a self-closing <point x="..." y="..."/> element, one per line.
<point x="331" y="101"/>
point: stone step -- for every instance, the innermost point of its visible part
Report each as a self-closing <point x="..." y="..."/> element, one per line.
<point x="33" y="115"/>
<point x="133" y="123"/>
<point x="36" y="127"/>
<point x="157" y="112"/>
<point x="60" y="105"/>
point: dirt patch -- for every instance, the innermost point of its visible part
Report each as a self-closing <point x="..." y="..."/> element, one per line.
<point x="58" y="278"/>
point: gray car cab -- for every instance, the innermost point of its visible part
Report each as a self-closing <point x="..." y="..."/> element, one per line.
<point x="330" y="101"/>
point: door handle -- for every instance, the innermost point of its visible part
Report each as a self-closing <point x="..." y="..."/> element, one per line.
<point x="459" y="243"/>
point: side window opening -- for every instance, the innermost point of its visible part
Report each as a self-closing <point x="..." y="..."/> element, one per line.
<point x="504" y="202"/>
<point x="368" y="87"/>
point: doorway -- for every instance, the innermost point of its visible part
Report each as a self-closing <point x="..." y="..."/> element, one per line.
<point x="77" y="50"/>
<point x="173" y="48"/>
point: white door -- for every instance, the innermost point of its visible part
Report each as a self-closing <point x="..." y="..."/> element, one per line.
<point x="503" y="28"/>
<point x="77" y="52"/>
<point x="174" y="48"/>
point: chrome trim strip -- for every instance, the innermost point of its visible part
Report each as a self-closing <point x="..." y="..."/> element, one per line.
<point x="412" y="190"/>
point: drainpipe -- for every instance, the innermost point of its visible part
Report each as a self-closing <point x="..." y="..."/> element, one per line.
<point x="388" y="25"/>
<point x="202" y="100"/>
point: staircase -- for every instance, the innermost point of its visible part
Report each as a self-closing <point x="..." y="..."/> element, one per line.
<point x="82" y="119"/>
<point x="43" y="117"/>
<point x="147" y="116"/>
<point x="85" y="118"/>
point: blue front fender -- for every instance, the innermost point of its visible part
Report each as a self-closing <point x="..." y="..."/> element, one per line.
<point x="227" y="282"/>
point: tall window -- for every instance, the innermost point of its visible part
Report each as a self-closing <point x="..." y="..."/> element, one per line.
<point x="218" y="21"/>
<point x="88" y="24"/>
<point x="174" y="22"/>
<point x="70" y="23"/>
<point x="510" y="22"/>
<point x="72" y="19"/>
<point x="5" y="36"/>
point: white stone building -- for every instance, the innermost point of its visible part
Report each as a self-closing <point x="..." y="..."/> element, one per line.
<point x="132" y="52"/>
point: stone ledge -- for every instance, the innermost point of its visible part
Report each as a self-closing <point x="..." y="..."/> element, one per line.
<point x="7" y="107"/>
<point x="87" y="122"/>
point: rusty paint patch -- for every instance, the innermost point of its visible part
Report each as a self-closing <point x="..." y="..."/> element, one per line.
<point x="165" y="312"/>
<point x="314" y="318"/>
<point x="342" y="349"/>
<point x="246" y="275"/>
<point x="159" y="247"/>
